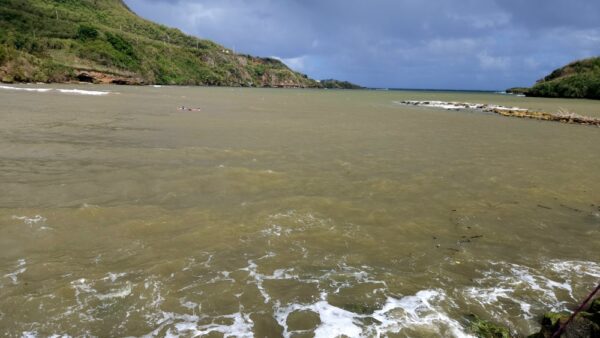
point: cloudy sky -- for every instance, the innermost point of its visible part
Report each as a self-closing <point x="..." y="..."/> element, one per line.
<point x="442" y="44"/>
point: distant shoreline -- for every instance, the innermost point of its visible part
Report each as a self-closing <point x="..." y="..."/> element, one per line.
<point x="83" y="83"/>
<point x="442" y="90"/>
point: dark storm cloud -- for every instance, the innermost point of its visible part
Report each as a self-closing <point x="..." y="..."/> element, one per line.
<point x="484" y="44"/>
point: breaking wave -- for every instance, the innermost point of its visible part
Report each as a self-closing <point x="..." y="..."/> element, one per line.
<point x="63" y="91"/>
<point x="502" y="290"/>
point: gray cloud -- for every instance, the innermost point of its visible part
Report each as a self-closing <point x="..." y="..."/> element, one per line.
<point x="479" y="44"/>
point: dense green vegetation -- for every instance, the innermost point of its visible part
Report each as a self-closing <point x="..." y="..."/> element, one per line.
<point x="517" y="90"/>
<point x="580" y="79"/>
<point x="336" y="84"/>
<point x="103" y="41"/>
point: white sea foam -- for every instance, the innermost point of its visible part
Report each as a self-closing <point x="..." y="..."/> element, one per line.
<point x="20" y="268"/>
<point x="291" y="221"/>
<point x="60" y="90"/>
<point x="84" y="287"/>
<point x="415" y="313"/>
<point x="39" y="90"/>
<point x="223" y="276"/>
<point x="34" y="334"/>
<point x="38" y="220"/>
<point x="421" y="312"/>
<point x="259" y="278"/>
<point x="502" y="290"/>
<point x="83" y="92"/>
<point x="114" y="276"/>
<point x="116" y="293"/>
<point x="30" y="220"/>
<point x="347" y="276"/>
<point x="568" y="269"/>
<point x="458" y="105"/>
<point x="241" y="327"/>
<point x="532" y="290"/>
<point x="190" y="325"/>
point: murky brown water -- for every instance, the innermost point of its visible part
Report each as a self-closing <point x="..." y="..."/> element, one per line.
<point x="289" y="212"/>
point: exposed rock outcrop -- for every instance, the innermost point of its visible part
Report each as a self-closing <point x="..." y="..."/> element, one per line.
<point x="585" y="325"/>
<point x="106" y="78"/>
<point x="564" y="117"/>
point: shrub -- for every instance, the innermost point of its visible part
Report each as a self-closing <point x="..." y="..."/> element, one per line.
<point x="3" y="54"/>
<point x="85" y="32"/>
<point x="120" y="44"/>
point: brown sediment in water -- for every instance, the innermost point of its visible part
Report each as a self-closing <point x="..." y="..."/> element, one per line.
<point x="561" y="116"/>
<point x="284" y="212"/>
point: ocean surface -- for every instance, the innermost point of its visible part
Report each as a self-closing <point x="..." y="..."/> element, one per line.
<point x="292" y="213"/>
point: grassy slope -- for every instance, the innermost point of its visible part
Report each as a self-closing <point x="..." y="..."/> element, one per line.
<point x="580" y="79"/>
<point x="56" y="40"/>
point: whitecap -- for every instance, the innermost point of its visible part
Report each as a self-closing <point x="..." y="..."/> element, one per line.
<point x="30" y="220"/>
<point x="39" y="90"/>
<point x="258" y="278"/>
<point x="81" y="286"/>
<point x="416" y="312"/>
<point x="64" y="91"/>
<point x="20" y="268"/>
<point x="189" y="325"/>
<point x="241" y="327"/>
<point x="532" y="290"/>
<point x="569" y="268"/>
<point x="116" y="293"/>
<point x="82" y="92"/>
<point x="114" y="276"/>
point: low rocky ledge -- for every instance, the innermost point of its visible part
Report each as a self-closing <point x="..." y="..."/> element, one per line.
<point x="106" y="78"/>
<point x="564" y="117"/>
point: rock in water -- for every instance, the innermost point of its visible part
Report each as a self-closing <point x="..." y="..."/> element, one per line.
<point x="585" y="325"/>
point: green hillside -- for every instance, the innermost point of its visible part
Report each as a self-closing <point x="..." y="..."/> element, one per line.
<point x="336" y="84"/>
<point x="580" y="79"/>
<point x="103" y="41"/>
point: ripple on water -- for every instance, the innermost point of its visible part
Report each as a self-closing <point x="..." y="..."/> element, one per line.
<point x="38" y="220"/>
<point x="19" y="269"/>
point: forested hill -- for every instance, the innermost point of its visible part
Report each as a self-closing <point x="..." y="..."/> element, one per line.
<point x="103" y="41"/>
<point x="336" y="84"/>
<point x="579" y="79"/>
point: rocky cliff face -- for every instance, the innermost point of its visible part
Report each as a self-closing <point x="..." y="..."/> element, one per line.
<point x="103" y="41"/>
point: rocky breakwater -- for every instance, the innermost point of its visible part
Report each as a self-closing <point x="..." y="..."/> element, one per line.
<point x="561" y="116"/>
